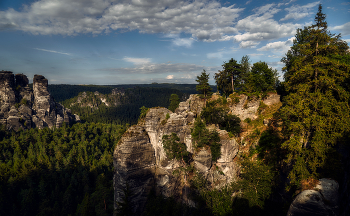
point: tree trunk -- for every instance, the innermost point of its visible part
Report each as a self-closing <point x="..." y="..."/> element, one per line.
<point x="233" y="89"/>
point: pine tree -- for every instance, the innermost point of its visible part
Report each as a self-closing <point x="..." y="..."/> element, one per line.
<point x="174" y="102"/>
<point x="229" y="77"/>
<point x="316" y="111"/>
<point x="203" y="86"/>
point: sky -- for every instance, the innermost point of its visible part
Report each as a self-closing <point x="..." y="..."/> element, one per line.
<point x="144" y="41"/>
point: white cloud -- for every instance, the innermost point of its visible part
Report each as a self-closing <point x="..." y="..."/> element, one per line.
<point x="248" y="44"/>
<point x="186" y="42"/>
<point x="137" y="61"/>
<point x="170" y="77"/>
<point x="261" y="26"/>
<point x="344" y="29"/>
<point x="297" y="12"/>
<point x="52" y="51"/>
<point x="282" y="46"/>
<point x="203" y="19"/>
<point x="177" y="41"/>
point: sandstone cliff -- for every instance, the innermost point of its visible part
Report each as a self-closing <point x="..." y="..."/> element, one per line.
<point x="141" y="163"/>
<point x="22" y="107"/>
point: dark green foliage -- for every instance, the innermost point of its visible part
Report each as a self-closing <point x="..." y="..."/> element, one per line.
<point x="255" y="183"/>
<point x="143" y="112"/>
<point x="231" y="123"/>
<point x="229" y="77"/>
<point x="174" y="148"/>
<point x="203" y="137"/>
<point x="66" y="171"/>
<point x="316" y="111"/>
<point x="213" y="114"/>
<point x="174" y="102"/>
<point x="203" y="86"/>
<point x="261" y="78"/>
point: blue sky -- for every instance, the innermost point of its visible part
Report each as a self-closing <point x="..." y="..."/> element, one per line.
<point x="145" y="41"/>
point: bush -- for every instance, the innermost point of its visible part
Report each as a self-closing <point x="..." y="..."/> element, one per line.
<point x="219" y="116"/>
<point x="144" y="111"/>
<point x="235" y="99"/>
<point x="231" y="123"/>
<point x="248" y="120"/>
<point x="203" y="137"/>
<point x="174" y="149"/>
<point x="255" y="183"/>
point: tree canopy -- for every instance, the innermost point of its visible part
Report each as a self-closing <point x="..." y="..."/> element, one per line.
<point x="203" y="86"/>
<point x="229" y="77"/>
<point x="316" y="111"/>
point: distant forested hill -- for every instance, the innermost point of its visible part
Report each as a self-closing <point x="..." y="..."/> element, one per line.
<point x="63" y="92"/>
<point x="120" y="108"/>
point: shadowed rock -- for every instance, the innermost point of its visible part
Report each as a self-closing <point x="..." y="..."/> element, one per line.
<point x="321" y="201"/>
<point x="22" y="107"/>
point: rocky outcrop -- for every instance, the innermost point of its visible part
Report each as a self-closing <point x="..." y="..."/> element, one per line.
<point x="140" y="161"/>
<point x="22" y="107"/>
<point x="118" y="91"/>
<point x="321" y="200"/>
<point x="248" y="107"/>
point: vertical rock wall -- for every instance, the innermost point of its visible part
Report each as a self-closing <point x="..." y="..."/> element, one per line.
<point x="140" y="161"/>
<point x="22" y="107"/>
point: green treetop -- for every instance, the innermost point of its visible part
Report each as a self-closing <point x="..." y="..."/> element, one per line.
<point x="203" y="86"/>
<point x="174" y="102"/>
<point x="316" y="111"/>
<point x="229" y="77"/>
<point x="261" y="78"/>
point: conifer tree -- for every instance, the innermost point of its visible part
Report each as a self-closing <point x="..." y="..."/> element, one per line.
<point x="174" y="102"/>
<point x="316" y="109"/>
<point x="229" y="77"/>
<point x="203" y="86"/>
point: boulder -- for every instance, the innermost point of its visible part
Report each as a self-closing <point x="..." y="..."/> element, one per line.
<point x="320" y="201"/>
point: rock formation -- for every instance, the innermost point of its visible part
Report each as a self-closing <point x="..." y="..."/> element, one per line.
<point x="247" y="108"/>
<point x="322" y="200"/>
<point x="22" y="107"/>
<point x="141" y="163"/>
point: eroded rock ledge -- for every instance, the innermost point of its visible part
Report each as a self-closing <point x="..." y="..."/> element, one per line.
<point x="22" y="107"/>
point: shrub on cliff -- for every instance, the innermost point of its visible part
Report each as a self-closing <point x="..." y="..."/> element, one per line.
<point x="214" y="114"/>
<point x="203" y="137"/>
<point x="174" y="148"/>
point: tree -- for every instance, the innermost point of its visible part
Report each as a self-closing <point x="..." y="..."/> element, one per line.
<point x="245" y="70"/>
<point x="228" y="77"/>
<point x="203" y="86"/>
<point x="174" y="102"/>
<point x="261" y="78"/>
<point x="174" y="148"/>
<point x="316" y="111"/>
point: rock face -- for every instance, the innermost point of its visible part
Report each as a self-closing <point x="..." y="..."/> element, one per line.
<point x="322" y="200"/>
<point x="247" y="108"/>
<point x="141" y="163"/>
<point x="22" y="107"/>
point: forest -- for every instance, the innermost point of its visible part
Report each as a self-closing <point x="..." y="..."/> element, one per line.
<point x="69" y="170"/>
